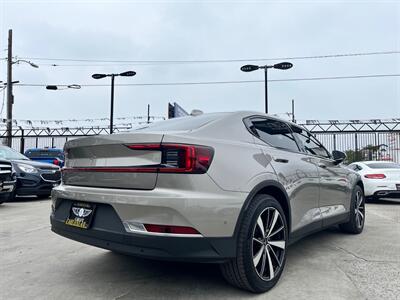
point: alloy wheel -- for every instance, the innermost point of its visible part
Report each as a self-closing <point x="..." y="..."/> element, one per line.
<point x="268" y="243"/>
<point x="359" y="209"/>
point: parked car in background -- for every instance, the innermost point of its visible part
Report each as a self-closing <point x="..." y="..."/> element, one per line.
<point x="7" y="180"/>
<point x="53" y="156"/>
<point x="33" y="178"/>
<point x="381" y="179"/>
<point x="229" y="188"/>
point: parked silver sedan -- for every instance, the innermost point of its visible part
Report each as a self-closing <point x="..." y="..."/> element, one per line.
<point x="232" y="188"/>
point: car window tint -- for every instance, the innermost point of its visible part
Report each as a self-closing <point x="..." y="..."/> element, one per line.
<point x="355" y="167"/>
<point x="310" y="143"/>
<point x="388" y="165"/>
<point x="274" y="133"/>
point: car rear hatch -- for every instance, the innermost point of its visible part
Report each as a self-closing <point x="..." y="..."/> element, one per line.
<point x="107" y="161"/>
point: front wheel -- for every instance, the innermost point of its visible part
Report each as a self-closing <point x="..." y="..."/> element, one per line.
<point x="261" y="248"/>
<point x="357" y="213"/>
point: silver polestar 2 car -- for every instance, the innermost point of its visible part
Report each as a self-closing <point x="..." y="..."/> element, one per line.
<point x="230" y="188"/>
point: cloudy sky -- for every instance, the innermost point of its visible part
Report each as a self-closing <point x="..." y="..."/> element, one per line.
<point x="197" y="31"/>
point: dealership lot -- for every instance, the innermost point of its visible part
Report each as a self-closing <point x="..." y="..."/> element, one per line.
<point x="36" y="263"/>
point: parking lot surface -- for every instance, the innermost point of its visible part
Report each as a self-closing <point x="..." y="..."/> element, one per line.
<point x="38" y="264"/>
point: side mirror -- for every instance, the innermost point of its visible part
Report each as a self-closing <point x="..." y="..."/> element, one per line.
<point x="338" y="156"/>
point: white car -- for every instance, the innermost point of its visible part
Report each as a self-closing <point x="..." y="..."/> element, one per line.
<point x="381" y="179"/>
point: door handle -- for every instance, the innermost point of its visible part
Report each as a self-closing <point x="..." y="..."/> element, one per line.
<point x="281" y="160"/>
<point x="321" y="165"/>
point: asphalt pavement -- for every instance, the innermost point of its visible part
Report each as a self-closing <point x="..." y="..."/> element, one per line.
<point x="35" y="263"/>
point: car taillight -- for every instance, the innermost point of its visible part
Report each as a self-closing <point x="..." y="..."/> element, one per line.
<point x="56" y="162"/>
<point x="375" y="176"/>
<point x="179" y="158"/>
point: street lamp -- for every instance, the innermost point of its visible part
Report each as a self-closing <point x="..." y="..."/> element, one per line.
<point x="63" y="87"/>
<point x="280" y="66"/>
<point x="100" y="76"/>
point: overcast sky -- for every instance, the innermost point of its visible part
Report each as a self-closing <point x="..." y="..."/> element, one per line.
<point x="204" y="30"/>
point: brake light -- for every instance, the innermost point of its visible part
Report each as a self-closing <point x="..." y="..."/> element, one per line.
<point x="170" y="229"/>
<point x="175" y="158"/>
<point x="375" y="176"/>
<point x="56" y="162"/>
<point x="180" y="158"/>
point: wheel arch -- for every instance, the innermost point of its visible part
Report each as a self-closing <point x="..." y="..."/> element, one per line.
<point x="360" y="184"/>
<point x="272" y="188"/>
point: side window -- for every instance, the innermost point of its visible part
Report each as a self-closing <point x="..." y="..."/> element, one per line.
<point x="310" y="143"/>
<point x="353" y="167"/>
<point x="274" y="133"/>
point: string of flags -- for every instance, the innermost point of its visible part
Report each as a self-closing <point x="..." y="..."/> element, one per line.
<point x="81" y="122"/>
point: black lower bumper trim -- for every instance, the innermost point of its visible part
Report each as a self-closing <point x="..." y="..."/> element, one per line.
<point x="210" y="250"/>
<point x="387" y="194"/>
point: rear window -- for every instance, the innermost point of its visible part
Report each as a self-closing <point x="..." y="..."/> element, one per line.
<point x="44" y="154"/>
<point x="181" y="124"/>
<point x="383" y="165"/>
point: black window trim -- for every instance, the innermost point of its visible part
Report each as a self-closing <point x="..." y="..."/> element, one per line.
<point x="301" y="150"/>
<point x="248" y="119"/>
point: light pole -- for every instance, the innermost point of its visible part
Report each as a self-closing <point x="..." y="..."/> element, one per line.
<point x="280" y="66"/>
<point x="113" y="75"/>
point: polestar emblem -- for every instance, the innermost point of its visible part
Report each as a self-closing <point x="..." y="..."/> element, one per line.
<point x="81" y="212"/>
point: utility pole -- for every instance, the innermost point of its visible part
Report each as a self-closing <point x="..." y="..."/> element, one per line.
<point x="10" y="99"/>
<point x="112" y="105"/>
<point x="148" y="113"/>
<point x="293" y="118"/>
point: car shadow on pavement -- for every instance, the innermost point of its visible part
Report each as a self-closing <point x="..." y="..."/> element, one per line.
<point x="20" y="199"/>
<point x="132" y="277"/>
<point x="384" y="201"/>
<point x="142" y="278"/>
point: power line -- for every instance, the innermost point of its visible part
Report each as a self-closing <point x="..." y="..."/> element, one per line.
<point x="222" y="82"/>
<point x="151" y="62"/>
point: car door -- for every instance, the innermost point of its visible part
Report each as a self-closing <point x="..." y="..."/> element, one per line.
<point x="335" y="183"/>
<point x="297" y="172"/>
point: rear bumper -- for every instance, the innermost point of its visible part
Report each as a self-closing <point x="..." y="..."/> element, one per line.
<point x="107" y="232"/>
<point x="387" y="194"/>
<point x="194" y="201"/>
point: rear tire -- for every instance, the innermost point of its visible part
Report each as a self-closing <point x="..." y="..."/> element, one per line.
<point x="261" y="247"/>
<point x="357" y="213"/>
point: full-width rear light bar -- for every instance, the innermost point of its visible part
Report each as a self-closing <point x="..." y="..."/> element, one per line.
<point x="375" y="176"/>
<point x="175" y="158"/>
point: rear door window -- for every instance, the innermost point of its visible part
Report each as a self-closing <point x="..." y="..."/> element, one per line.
<point x="273" y="132"/>
<point x="310" y="144"/>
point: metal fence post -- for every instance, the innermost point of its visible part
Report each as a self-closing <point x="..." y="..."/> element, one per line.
<point x="356" y="146"/>
<point x="334" y="141"/>
<point x="22" y="142"/>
